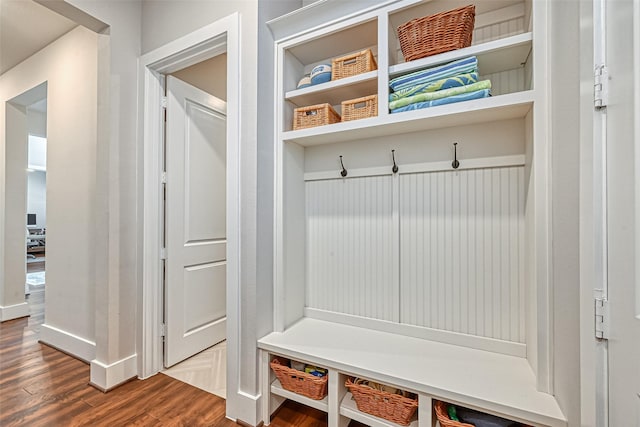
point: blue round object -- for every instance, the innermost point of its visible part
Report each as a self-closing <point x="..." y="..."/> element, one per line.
<point x="321" y="74"/>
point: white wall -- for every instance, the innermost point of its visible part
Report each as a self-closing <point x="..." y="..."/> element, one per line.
<point x="209" y="76"/>
<point x="37" y="123"/>
<point x="69" y="67"/>
<point x="37" y="196"/>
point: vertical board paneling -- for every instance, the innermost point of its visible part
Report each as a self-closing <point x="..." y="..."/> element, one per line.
<point x="509" y="81"/>
<point x="498" y="30"/>
<point x="350" y="246"/>
<point x="461" y="245"/>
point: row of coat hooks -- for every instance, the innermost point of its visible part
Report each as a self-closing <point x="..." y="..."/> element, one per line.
<point x="455" y="164"/>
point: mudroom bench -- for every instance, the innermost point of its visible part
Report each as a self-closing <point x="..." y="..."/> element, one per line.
<point x="493" y="383"/>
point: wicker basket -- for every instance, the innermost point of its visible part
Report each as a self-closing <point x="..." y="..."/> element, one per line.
<point x="360" y="108"/>
<point x="314" y="115"/>
<point x="437" y="33"/>
<point x="300" y="382"/>
<point x="350" y="65"/>
<point x="392" y="407"/>
<point x="443" y="416"/>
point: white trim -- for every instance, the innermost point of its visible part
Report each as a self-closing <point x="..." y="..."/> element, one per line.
<point x="479" y="163"/>
<point x="542" y="194"/>
<point x="636" y="66"/>
<point x="114" y="374"/>
<point x="201" y="44"/>
<point x="14" y="311"/>
<point x="447" y="337"/>
<point x="69" y="343"/>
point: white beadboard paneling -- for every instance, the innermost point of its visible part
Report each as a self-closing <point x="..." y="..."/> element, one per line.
<point x="506" y="81"/>
<point x="462" y="245"/>
<point x="350" y="239"/>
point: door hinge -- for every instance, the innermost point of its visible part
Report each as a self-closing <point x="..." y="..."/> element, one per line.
<point x="163" y="253"/>
<point x="163" y="102"/>
<point x="162" y="329"/>
<point x="163" y="178"/>
<point x="602" y="318"/>
<point x="600" y="86"/>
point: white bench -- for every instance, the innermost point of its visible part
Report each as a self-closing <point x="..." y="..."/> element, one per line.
<point x="493" y="383"/>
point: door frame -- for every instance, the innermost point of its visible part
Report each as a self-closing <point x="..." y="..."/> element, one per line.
<point x="207" y="42"/>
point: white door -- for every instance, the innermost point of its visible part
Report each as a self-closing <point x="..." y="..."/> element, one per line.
<point x="195" y="275"/>
<point x="623" y="211"/>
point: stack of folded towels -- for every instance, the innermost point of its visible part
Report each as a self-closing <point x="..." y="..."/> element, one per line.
<point x="445" y="84"/>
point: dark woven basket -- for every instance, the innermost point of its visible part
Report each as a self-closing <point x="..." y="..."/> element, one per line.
<point x="300" y="382"/>
<point x="442" y="32"/>
<point x="392" y="407"/>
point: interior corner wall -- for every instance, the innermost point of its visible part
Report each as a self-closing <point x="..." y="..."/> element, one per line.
<point x="565" y="182"/>
<point x="209" y="76"/>
<point x="116" y="229"/>
<point x="68" y="65"/>
<point x="37" y="196"/>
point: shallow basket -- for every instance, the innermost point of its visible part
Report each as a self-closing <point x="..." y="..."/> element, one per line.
<point x="437" y="33"/>
<point x="443" y="416"/>
<point x="392" y="407"/>
<point x="360" y="108"/>
<point x="353" y="64"/>
<point x="314" y="115"/>
<point x="300" y="382"/>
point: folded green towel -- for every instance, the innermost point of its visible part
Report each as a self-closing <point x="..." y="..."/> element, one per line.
<point x="442" y="84"/>
<point x="430" y="96"/>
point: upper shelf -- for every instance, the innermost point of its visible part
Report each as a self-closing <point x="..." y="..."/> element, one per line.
<point x="497" y="55"/>
<point x="502" y="107"/>
<point x="335" y="91"/>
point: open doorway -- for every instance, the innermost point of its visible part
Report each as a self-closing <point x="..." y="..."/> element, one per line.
<point x="36" y="197"/>
<point x="195" y="225"/>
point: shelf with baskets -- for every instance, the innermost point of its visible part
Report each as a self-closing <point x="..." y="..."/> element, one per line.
<point x="441" y="252"/>
<point x="321" y="405"/>
<point x="349" y="409"/>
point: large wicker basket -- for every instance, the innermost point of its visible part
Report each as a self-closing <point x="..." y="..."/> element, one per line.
<point x="314" y="115"/>
<point x="360" y="108"/>
<point x="443" y="416"/>
<point x="300" y="382"/>
<point x="392" y="407"/>
<point x="437" y="33"/>
<point x="355" y="63"/>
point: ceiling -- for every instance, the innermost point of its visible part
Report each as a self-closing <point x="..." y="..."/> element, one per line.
<point x="25" y="28"/>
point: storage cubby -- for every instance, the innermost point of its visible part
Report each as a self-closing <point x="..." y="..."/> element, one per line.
<point x="300" y="60"/>
<point x="432" y="272"/>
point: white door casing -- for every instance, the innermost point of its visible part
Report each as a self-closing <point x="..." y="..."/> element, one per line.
<point x="195" y="278"/>
<point x="623" y="211"/>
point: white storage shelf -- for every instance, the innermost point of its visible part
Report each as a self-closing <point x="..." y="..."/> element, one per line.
<point x="503" y="107"/>
<point x="498" y="55"/>
<point x="335" y="91"/>
<point x="494" y="383"/>
<point x="321" y="405"/>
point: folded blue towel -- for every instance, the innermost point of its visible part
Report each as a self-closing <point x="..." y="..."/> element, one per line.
<point x="461" y="66"/>
<point x="442" y="84"/>
<point x="443" y="101"/>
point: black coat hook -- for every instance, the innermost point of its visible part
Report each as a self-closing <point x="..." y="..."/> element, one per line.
<point x="394" y="169"/>
<point x="455" y="164"/>
<point x="343" y="172"/>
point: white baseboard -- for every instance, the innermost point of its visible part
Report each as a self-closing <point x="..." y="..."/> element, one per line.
<point x="243" y="408"/>
<point x="71" y="344"/>
<point x="105" y="377"/>
<point x="15" y="311"/>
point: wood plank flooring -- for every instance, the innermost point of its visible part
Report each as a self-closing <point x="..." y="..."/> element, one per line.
<point x="41" y="386"/>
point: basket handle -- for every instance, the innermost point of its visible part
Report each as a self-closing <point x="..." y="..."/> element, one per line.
<point x="349" y="61"/>
<point x="360" y="104"/>
<point x="311" y="113"/>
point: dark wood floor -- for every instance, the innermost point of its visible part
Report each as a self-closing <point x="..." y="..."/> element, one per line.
<point x="40" y="386"/>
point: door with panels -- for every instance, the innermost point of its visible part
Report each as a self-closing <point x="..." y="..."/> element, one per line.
<point x="195" y="273"/>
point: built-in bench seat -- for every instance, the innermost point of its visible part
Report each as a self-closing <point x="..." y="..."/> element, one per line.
<point x="494" y="383"/>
